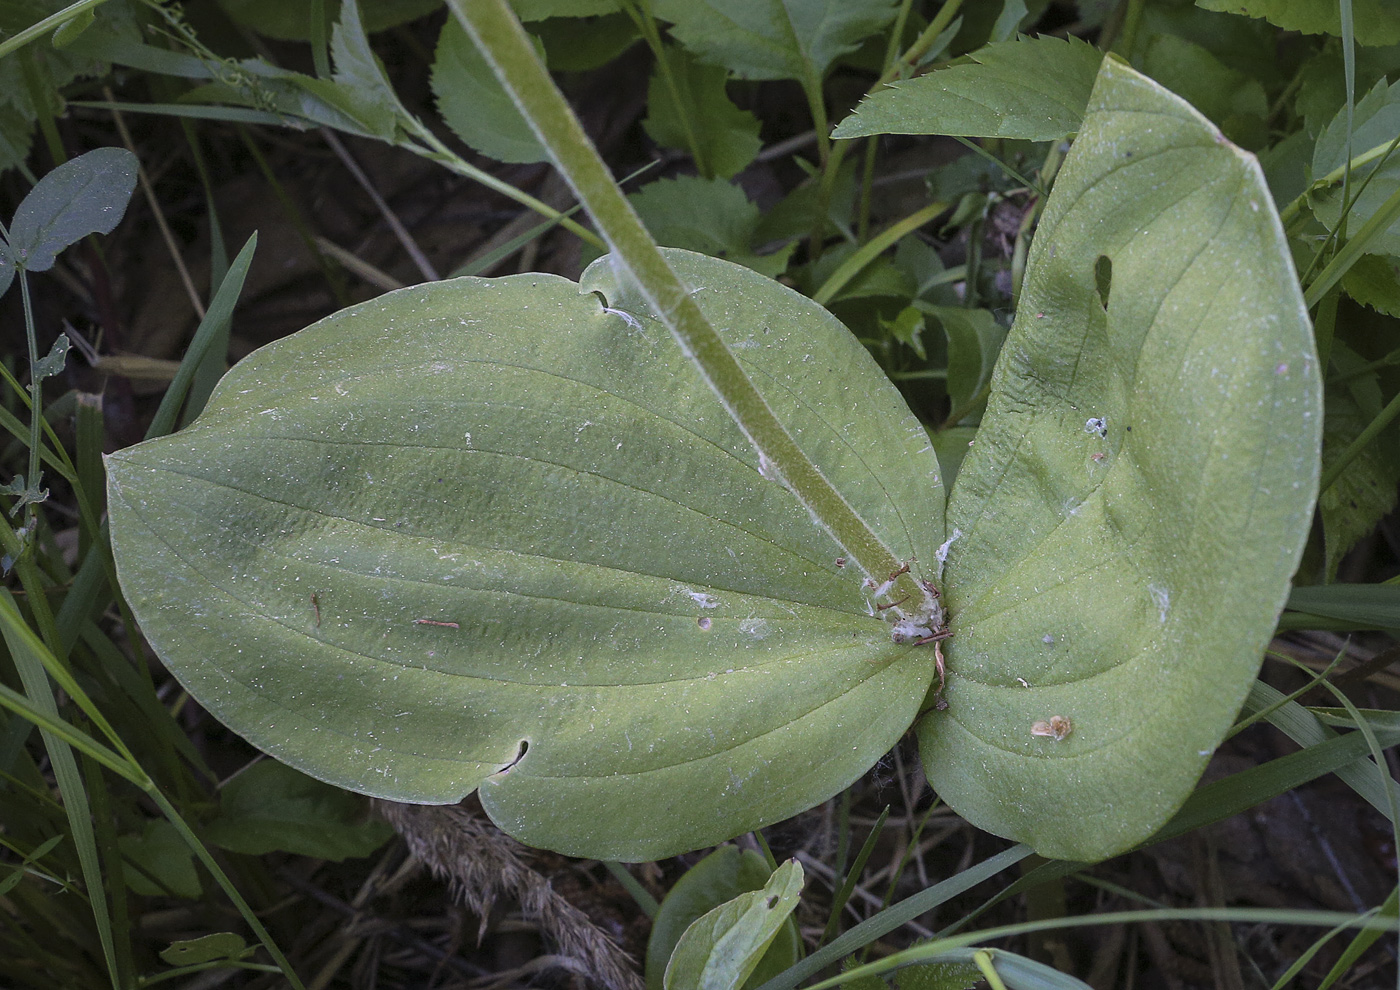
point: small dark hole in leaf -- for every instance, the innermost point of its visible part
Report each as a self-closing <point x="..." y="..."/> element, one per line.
<point x="772" y="903"/>
<point x="1103" y="278"/>
<point x="519" y="755"/>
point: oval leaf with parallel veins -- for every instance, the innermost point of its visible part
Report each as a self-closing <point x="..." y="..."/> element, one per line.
<point x="1125" y="527"/>
<point x="493" y="534"/>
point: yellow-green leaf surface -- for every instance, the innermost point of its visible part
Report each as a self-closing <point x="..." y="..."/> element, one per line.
<point x="722" y="947"/>
<point x="490" y="534"/>
<point x="1126" y="524"/>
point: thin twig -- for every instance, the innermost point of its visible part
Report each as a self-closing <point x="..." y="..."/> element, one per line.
<point x="159" y="214"/>
<point x="410" y="246"/>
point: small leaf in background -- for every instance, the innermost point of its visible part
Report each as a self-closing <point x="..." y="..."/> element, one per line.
<point x="796" y="214"/>
<point x="724" y="874"/>
<point x="290" y="20"/>
<point x="1031" y="88"/>
<point x="1366" y="490"/>
<point x="974" y="341"/>
<point x="271" y="807"/>
<point x="27" y="493"/>
<point x="907" y="328"/>
<point x="727" y="136"/>
<point x="940" y="976"/>
<point x="1375" y="123"/>
<point x="86" y="195"/>
<point x="1233" y="100"/>
<point x="1375" y="281"/>
<point x="7" y="268"/>
<point x="712" y="216"/>
<point x="538" y="10"/>
<point x="475" y="105"/>
<point x="879" y="277"/>
<point x="1013" y="12"/>
<point x="774" y="39"/>
<point x="722" y="948"/>
<point x="52" y="363"/>
<point x="1376" y="21"/>
<point x="1127" y="523"/>
<point x="206" y="948"/>
<point x="359" y="73"/>
<point x="161" y="852"/>
<point x="578" y="45"/>
<point x="870" y="981"/>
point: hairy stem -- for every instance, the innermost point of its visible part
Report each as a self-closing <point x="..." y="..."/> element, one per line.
<point x="493" y="27"/>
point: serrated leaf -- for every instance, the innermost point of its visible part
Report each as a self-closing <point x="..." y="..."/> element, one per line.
<point x="939" y="976"/>
<point x="359" y="73"/>
<point x="1366" y="491"/>
<point x="272" y="808"/>
<point x="723" y="947"/>
<point x="206" y="948"/>
<point x="474" y="103"/>
<point x="1031" y="88"/>
<point x="1375" y="123"/>
<point x="726" y="137"/>
<point x="774" y="39"/>
<point x="719" y="877"/>
<point x="1138" y="496"/>
<point x="85" y="195"/>
<point x="1375" y="21"/>
<point x="870" y="981"/>
<point x="711" y="216"/>
<point x="543" y="561"/>
<point x="1375" y="281"/>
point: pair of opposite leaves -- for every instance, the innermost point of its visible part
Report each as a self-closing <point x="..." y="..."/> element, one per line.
<point x="491" y="534"/>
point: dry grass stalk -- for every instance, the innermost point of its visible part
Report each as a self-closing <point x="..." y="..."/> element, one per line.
<point x="482" y="863"/>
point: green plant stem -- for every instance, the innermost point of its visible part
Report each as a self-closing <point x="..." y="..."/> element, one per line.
<point x="869" y="251"/>
<point x="36" y="406"/>
<point x="50" y="23"/>
<point x="640" y="13"/>
<point x="1362" y="441"/>
<point x="436" y="151"/>
<point x="494" y="28"/>
<point x="832" y="156"/>
<point x="921" y="44"/>
<point x="932" y="950"/>
<point x="1291" y="212"/>
<point x="1353" y="249"/>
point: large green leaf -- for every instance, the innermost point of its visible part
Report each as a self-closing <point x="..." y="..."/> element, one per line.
<point x="488" y="533"/>
<point x="774" y="39"/>
<point x="1030" y="88"/>
<point x="1376" y="22"/>
<point x="1126" y="524"/>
